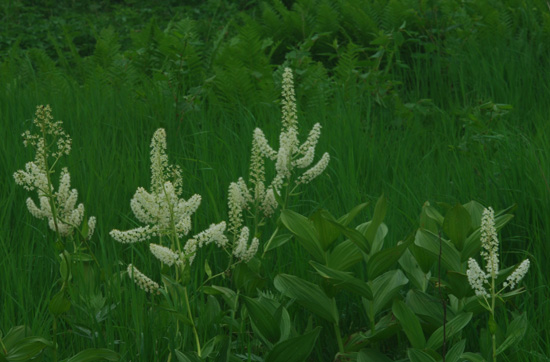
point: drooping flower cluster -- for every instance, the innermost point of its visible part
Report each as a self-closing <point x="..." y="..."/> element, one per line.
<point x="142" y="280"/>
<point x="479" y="279"/>
<point x="59" y="208"/>
<point x="166" y="213"/>
<point x="290" y="156"/>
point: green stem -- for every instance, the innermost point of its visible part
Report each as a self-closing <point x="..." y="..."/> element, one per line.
<point x="54" y="339"/>
<point x="192" y="323"/>
<point x="338" y="338"/>
<point x="270" y="240"/>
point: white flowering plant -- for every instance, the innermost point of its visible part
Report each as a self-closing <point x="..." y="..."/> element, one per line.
<point x="64" y="216"/>
<point x="250" y="204"/>
<point x="167" y="218"/>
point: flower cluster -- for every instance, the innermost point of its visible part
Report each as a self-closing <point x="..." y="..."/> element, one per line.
<point x="142" y="281"/>
<point x="166" y="213"/>
<point x="59" y="208"/>
<point x="479" y="279"/>
<point x="291" y="155"/>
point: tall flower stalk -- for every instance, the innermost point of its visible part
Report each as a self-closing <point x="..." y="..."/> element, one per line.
<point x="50" y="143"/>
<point x="167" y="217"/>
<point x="484" y="282"/>
<point x="258" y="200"/>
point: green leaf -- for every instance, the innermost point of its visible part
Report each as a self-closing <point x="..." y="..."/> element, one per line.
<point x="432" y="213"/>
<point x="309" y="295"/>
<point x="453" y="355"/>
<point x="416" y="355"/>
<point x="386" y="327"/>
<point x="458" y="284"/>
<point x="59" y="304"/>
<point x="450" y="257"/>
<point x="305" y="232"/>
<point x="344" y="255"/>
<point x="369" y="355"/>
<point x="207" y="268"/>
<point x="378" y="217"/>
<point x="515" y="332"/>
<point x="354" y="235"/>
<point x="457" y="224"/>
<point x="427" y="307"/>
<point x="427" y="219"/>
<point x="343" y="280"/>
<point x="295" y="349"/>
<point x="228" y="295"/>
<point x="348" y="218"/>
<point x="383" y="260"/>
<point x="187" y="356"/>
<point x="246" y="278"/>
<point x="65" y="265"/>
<point x="277" y="241"/>
<point x="384" y="289"/>
<point x="472" y="357"/>
<point x="261" y="316"/>
<point x="326" y="230"/>
<point x="81" y="257"/>
<point x="95" y="354"/>
<point x="27" y="348"/>
<point x="14" y="335"/>
<point x="413" y="271"/>
<point x="378" y="242"/>
<point x="410" y="324"/>
<point x="454" y="326"/>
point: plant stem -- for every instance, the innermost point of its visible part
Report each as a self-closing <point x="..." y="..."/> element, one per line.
<point x="54" y="339"/>
<point x="192" y="323"/>
<point x="338" y="338"/>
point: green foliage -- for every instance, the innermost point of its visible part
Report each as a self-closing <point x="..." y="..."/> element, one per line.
<point x="421" y="100"/>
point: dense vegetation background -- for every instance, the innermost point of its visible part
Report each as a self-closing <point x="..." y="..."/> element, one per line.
<point x="419" y="100"/>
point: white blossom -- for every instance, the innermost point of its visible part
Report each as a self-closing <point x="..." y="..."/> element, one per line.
<point x="142" y="281"/>
<point x="241" y="250"/>
<point x="165" y="255"/>
<point x="316" y="170"/>
<point x="489" y="241"/>
<point x="477" y="278"/>
<point x="517" y="275"/>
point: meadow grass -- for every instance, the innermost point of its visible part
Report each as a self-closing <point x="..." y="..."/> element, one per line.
<point x="434" y="156"/>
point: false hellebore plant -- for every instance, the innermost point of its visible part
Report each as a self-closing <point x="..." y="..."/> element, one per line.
<point x="260" y="200"/>
<point x="167" y="216"/>
<point x="484" y="283"/>
<point x="64" y="216"/>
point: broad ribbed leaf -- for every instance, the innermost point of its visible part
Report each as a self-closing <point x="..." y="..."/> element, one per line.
<point x="295" y="349"/>
<point x="326" y="230"/>
<point x="27" y="348"/>
<point x="383" y="260"/>
<point x="309" y="295"/>
<point x="457" y="225"/>
<point x="416" y="355"/>
<point x="345" y="255"/>
<point x="515" y="332"/>
<point x="377" y="218"/>
<point x="343" y="280"/>
<point x="305" y="232"/>
<point x="384" y="289"/>
<point x="453" y="355"/>
<point x="410" y="324"/>
<point x="369" y="355"/>
<point x="263" y="319"/>
<point x="450" y="257"/>
<point x="95" y="354"/>
<point x="454" y="326"/>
